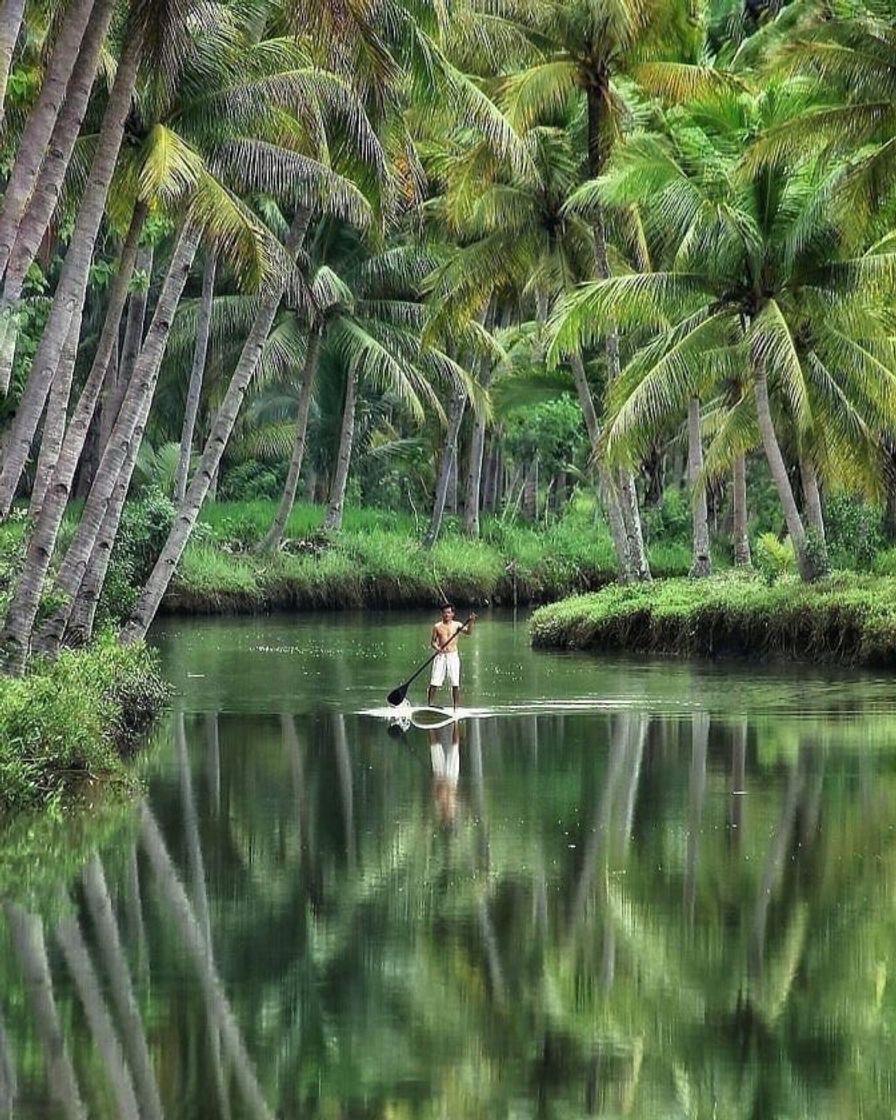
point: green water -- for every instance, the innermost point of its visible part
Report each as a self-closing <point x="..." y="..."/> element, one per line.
<point x="647" y="889"/>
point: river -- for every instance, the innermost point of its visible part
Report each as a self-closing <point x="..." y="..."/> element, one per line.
<point x="644" y="888"/>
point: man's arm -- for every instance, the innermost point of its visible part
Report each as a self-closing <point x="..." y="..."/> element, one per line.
<point x="434" y="638"/>
<point x="466" y="629"/>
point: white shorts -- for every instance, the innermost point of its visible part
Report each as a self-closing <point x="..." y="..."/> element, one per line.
<point x="446" y="665"/>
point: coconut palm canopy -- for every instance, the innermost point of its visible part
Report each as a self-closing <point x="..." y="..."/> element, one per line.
<point x="358" y="252"/>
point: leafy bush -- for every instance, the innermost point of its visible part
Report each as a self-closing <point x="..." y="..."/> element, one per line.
<point x="251" y="481"/>
<point x="854" y="530"/>
<point x="75" y="715"/>
<point x="774" y="558"/>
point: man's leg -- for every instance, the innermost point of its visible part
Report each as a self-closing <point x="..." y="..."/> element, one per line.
<point x="455" y="692"/>
<point x="430" y="693"/>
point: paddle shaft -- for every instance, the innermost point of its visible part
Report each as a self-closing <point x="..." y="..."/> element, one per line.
<point x="407" y="684"/>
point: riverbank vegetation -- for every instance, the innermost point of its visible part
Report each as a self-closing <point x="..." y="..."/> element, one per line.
<point x="73" y="720"/>
<point x="469" y="261"/>
<point x="849" y="620"/>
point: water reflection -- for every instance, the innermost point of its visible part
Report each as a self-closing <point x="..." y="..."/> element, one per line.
<point x="609" y="914"/>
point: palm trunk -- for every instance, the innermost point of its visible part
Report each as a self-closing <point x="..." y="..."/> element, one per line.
<point x="275" y="533"/>
<point x="30" y="947"/>
<point x="194" y="391"/>
<point x="121" y="987"/>
<point x="79" y="629"/>
<point x="333" y="518"/>
<point x="218" y="1007"/>
<point x="10" y="22"/>
<point x="701" y="565"/>
<point x="71" y="290"/>
<point x="90" y="456"/>
<point x="55" y="418"/>
<point x="33" y="226"/>
<point x="599" y="142"/>
<point x="42" y="540"/>
<point x="145" y="609"/>
<point x="449" y="452"/>
<point x="473" y="484"/>
<point x="35" y="139"/>
<point x="128" y="431"/>
<point x="77" y="958"/>
<point x="741" y="536"/>
<point x="133" y="341"/>
<point x="780" y="478"/>
<point x="608" y="492"/>
<point x="812" y="496"/>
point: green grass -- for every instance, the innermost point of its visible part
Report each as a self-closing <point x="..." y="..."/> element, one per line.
<point x="378" y="559"/>
<point x="73" y="718"/>
<point x="849" y="619"/>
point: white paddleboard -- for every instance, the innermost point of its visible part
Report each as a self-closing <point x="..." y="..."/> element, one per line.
<point x="424" y="716"/>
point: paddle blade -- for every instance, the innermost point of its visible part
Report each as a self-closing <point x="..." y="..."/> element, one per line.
<point x="397" y="695"/>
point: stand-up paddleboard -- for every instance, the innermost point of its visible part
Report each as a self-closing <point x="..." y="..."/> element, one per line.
<point x="423" y="716"/>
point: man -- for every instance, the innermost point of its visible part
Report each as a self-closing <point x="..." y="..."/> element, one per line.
<point x="444" y="754"/>
<point x="446" y="664"/>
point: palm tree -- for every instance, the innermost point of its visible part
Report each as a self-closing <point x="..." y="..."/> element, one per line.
<point x="761" y="286"/>
<point x="11" y="13"/>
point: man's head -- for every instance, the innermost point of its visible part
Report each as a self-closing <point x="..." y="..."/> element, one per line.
<point x="447" y="612"/>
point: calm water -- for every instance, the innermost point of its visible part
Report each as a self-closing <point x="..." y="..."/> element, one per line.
<point x="651" y="889"/>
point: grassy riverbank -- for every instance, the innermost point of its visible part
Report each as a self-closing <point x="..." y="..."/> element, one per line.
<point x="73" y="719"/>
<point x="378" y="560"/>
<point x="849" y="619"/>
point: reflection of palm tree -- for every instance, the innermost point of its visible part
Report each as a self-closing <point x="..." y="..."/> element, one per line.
<point x="100" y="906"/>
<point x="217" y="1005"/>
<point x="77" y="958"/>
<point x="8" y="1084"/>
<point x="27" y="933"/>
<point x="344" y="767"/>
<point x="696" y="797"/>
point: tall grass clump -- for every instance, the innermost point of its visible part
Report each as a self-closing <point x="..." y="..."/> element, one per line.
<point x="74" y="717"/>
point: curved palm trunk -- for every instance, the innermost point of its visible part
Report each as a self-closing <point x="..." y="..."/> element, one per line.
<point x="219" y="1009"/>
<point x="194" y="391"/>
<point x="812" y="496"/>
<point x="145" y="609"/>
<point x="741" y="536"/>
<point x="41" y="542"/>
<point x="333" y="519"/>
<point x="10" y="23"/>
<point x="102" y="915"/>
<point x="130" y="348"/>
<point x="39" y="128"/>
<point x="449" y="454"/>
<point x="608" y="491"/>
<point x="30" y="231"/>
<point x="701" y="564"/>
<point x="128" y="431"/>
<point x="55" y="418"/>
<point x="27" y="936"/>
<point x="77" y="958"/>
<point x="780" y="478"/>
<point x="287" y="500"/>
<point x="696" y="803"/>
<point x="70" y="292"/>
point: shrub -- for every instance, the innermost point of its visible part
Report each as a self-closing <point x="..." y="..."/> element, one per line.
<point x="774" y="558"/>
<point x="74" y="716"/>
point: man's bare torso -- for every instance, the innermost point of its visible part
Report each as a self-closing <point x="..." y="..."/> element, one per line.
<point x="445" y="635"/>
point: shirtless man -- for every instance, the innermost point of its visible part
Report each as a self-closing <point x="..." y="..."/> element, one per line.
<point x="447" y="663"/>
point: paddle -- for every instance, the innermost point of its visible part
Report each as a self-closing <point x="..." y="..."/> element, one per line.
<point x="397" y="695"/>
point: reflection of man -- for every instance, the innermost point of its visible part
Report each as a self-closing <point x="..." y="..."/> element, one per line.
<point x="444" y="754"/>
<point x="446" y="664"/>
